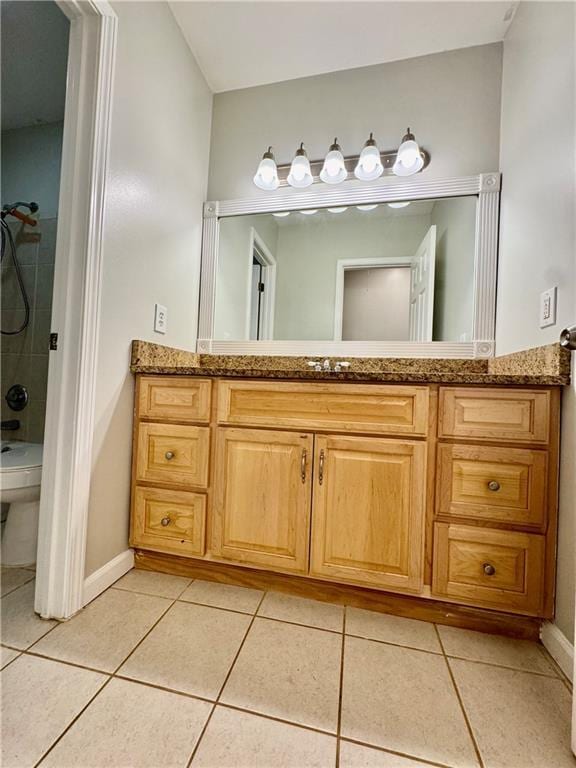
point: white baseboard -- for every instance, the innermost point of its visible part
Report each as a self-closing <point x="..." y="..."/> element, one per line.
<point x="101" y="579"/>
<point x="559" y="647"/>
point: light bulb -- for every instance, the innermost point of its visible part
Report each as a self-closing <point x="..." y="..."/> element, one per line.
<point x="369" y="166"/>
<point x="399" y="204"/>
<point x="408" y="158"/>
<point x="266" y="176"/>
<point x="334" y="169"/>
<point x="300" y="174"/>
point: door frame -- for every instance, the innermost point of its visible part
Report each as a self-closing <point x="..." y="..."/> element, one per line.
<point x="343" y="265"/>
<point x="71" y="394"/>
<point x="269" y="304"/>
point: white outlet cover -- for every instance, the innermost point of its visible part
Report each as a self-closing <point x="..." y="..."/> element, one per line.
<point x="548" y="307"/>
<point x="160" y="318"/>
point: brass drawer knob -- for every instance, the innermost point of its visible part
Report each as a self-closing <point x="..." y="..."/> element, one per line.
<point x="169" y="455"/>
<point x="165" y="521"/>
<point x="494" y="485"/>
<point x="488" y="569"/>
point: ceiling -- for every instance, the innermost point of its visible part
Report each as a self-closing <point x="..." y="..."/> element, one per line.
<point x="34" y="59"/>
<point x="243" y="44"/>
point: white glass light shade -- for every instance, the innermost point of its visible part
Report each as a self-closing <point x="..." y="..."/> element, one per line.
<point x="369" y="166"/>
<point x="309" y="211"/>
<point x="266" y="176"/>
<point x="341" y="209"/>
<point x="300" y="174"/>
<point x="408" y="159"/>
<point x="334" y="170"/>
<point x="367" y="207"/>
<point x="281" y="214"/>
<point x="404" y="204"/>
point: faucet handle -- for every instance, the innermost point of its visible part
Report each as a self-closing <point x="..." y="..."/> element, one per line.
<point x="315" y="364"/>
<point x="341" y="364"/>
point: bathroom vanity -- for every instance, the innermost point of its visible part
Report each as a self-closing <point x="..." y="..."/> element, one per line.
<point x="432" y="480"/>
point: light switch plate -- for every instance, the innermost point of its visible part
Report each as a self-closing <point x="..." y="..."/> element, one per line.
<point x="548" y="307"/>
<point x="160" y="318"/>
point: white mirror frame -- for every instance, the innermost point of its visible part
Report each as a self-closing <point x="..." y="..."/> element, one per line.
<point x="485" y="185"/>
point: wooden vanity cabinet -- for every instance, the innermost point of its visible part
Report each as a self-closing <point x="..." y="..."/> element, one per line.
<point x="335" y="482"/>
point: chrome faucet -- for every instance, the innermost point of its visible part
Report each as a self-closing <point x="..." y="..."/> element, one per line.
<point x="326" y="366"/>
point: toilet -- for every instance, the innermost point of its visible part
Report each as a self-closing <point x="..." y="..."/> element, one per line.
<point x="20" y="476"/>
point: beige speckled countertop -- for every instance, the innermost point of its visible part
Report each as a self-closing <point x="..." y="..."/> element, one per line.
<point x="541" y="366"/>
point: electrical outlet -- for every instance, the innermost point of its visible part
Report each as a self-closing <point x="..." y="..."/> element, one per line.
<point x="160" y="318"/>
<point x="548" y="307"/>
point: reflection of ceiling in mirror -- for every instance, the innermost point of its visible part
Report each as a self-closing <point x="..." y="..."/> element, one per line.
<point x="383" y="210"/>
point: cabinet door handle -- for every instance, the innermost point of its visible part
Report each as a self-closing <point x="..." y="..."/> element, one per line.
<point x="321" y="467"/>
<point x="165" y="521"/>
<point x="488" y="569"/>
<point x="494" y="485"/>
<point x="303" y="465"/>
<point x="169" y="455"/>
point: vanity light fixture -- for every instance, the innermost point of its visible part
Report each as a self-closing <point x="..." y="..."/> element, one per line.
<point x="300" y="175"/>
<point x="309" y="211"/>
<point x="367" y="207"/>
<point x="369" y="166"/>
<point x="341" y="209"/>
<point x="400" y="204"/>
<point x="267" y="174"/>
<point x="334" y="168"/>
<point x="281" y="214"/>
<point x="409" y="160"/>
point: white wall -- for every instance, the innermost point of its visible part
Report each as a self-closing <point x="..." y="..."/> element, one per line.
<point x="451" y="100"/>
<point x="537" y="242"/>
<point x="157" y="182"/>
<point x="31" y="159"/>
<point x="455" y="222"/>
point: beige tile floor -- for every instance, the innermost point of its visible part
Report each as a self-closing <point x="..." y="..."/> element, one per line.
<point x="162" y="671"/>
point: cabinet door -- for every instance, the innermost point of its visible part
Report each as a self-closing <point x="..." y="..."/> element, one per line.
<point x="262" y="499"/>
<point x="368" y="513"/>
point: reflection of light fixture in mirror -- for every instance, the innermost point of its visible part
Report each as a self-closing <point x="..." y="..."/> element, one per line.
<point x="367" y="207"/>
<point x="399" y="204"/>
<point x="334" y="171"/>
<point x="369" y="165"/>
<point x="281" y="214"/>
<point x="408" y="160"/>
<point x="266" y="176"/>
<point x="341" y="209"/>
<point x="300" y="174"/>
<point x="309" y="211"/>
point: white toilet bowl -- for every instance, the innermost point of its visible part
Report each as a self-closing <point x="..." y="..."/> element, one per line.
<point x="20" y="476"/>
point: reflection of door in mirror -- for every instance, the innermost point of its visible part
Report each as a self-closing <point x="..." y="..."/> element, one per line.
<point x="422" y="272"/>
<point x="262" y="291"/>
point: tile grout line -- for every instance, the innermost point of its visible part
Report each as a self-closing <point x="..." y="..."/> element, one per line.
<point x="460" y="701"/>
<point x="340" y="690"/>
<point x="111" y="676"/>
<point x="394" y="752"/>
<point x="221" y="691"/>
<point x="10" y="591"/>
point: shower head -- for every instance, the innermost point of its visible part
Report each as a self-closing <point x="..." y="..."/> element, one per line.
<point x="11" y="209"/>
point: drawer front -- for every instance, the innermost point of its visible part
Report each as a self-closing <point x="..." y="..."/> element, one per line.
<point x="489" y="568"/>
<point x="504" y="485"/>
<point x="361" y="408"/>
<point x="513" y="415"/>
<point x="174" y="398"/>
<point x="168" y="521"/>
<point x="173" y="454"/>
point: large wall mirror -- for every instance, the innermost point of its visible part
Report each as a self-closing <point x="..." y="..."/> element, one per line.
<point x="406" y="269"/>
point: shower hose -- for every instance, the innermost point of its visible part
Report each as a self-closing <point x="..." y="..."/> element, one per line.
<point x="8" y="239"/>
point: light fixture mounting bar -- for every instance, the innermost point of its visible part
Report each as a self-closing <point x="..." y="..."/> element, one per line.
<point x="350" y="161"/>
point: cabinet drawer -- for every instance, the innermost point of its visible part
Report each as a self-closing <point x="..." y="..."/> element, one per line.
<point x="168" y="521"/>
<point x="339" y="407"/>
<point x="174" y="398"/>
<point x="489" y="568"/>
<point x="498" y="415"/>
<point x="173" y="453"/>
<point x="504" y="485"/>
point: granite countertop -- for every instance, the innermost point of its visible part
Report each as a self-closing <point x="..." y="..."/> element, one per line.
<point x="541" y="366"/>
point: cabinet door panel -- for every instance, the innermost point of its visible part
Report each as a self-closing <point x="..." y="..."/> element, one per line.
<point x="168" y="521"/>
<point x="173" y="454"/>
<point x="368" y="512"/>
<point x="262" y="509"/>
<point x="174" y="398"/>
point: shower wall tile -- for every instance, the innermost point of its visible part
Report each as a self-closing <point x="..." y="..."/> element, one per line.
<point x="25" y="356"/>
